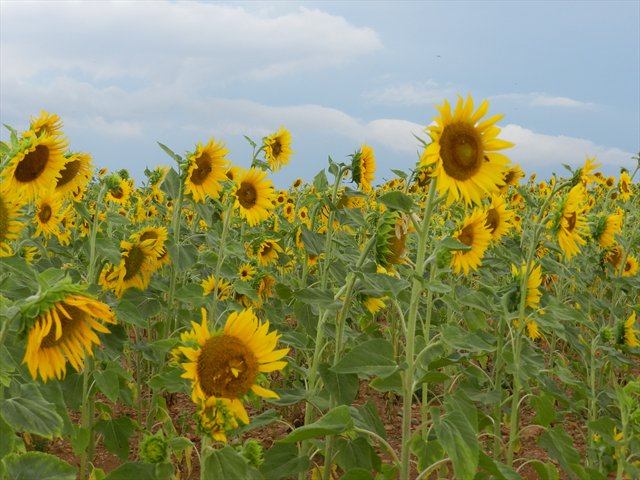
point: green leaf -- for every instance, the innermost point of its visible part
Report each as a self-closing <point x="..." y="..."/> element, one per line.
<point x="317" y="296"/>
<point x="357" y="474"/>
<point x="451" y="243"/>
<point x="357" y="453"/>
<point x="7" y="438"/>
<point x="283" y="460"/>
<point x="399" y="173"/>
<point x="108" y="381"/>
<point x="459" y="339"/>
<point x="320" y="181"/>
<point x="344" y="387"/>
<point x="560" y="447"/>
<point x="169" y="380"/>
<point x="544" y="406"/>
<point x="259" y="421"/>
<point x="374" y="357"/>
<point x="313" y="242"/>
<point x="226" y="463"/>
<point x="116" y="433"/>
<point x="396" y="200"/>
<point x="545" y="471"/>
<point x="459" y="439"/>
<point x="38" y="465"/>
<point x="129" y="470"/>
<point x="171" y="184"/>
<point x="171" y="153"/>
<point x="366" y="417"/>
<point x="80" y="440"/>
<point x="31" y="413"/>
<point x="128" y="313"/>
<point x="335" y="421"/>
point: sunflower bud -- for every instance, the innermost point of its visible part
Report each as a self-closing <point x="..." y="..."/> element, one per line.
<point x="253" y="451"/>
<point x="153" y="449"/>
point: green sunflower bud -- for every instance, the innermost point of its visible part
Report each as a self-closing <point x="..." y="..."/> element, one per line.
<point x="253" y="451"/>
<point x="153" y="449"/>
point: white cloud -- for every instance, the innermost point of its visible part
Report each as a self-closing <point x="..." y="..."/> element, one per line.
<point x="410" y="94"/>
<point x="537" y="99"/>
<point x="534" y="151"/>
<point x="187" y="43"/>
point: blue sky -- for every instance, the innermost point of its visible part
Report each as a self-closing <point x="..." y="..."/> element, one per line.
<point x="337" y="74"/>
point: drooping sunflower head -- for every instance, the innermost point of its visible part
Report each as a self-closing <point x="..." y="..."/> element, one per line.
<point x="391" y="239"/>
<point x="475" y="234"/>
<point x="151" y="240"/>
<point x="65" y="331"/>
<point x="464" y="152"/>
<point x="277" y="149"/>
<point x="135" y="268"/>
<point x="75" y="174"/>
<point x="605" y="228"/>
<point x="624" y="186"/>
<point x="534" y="280"/>
<point x="209" y="286"/>
<point x="254" y="196"/>
<point x="268" y="252"/>
<point x="206" y="170"/>
<point x="630" y="267"/>
<point x="48" y="214"/>
<point x="363" y="168"/>
<point x="627" y="334"/>
<point x="227" y="364"/>
<point x="46" y="124"/>
<point x="499" y="218"/>
<point x="571" y="224"/>
<point x="10" y="225"/>
<point x="585" y="173"/>
<point x="217" y="416"/>
<point x="35" y="166"/>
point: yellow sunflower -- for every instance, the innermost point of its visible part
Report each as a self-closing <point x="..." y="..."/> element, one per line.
<point x="512" y="176"/>
<point x="533" y="332"/>
<point x="35" y="168"/>
<point x="45" y="124"/>
<point x="630" y="267"/>
<point x="289" y="212"/>
<point x="463" y="152"/>
<point x="246" y="272"/>
<point x="121" y="193"/>
<point x="48" y="214"/>
<point x="265" y="287"/>
<point x="207" y="168"/>
<point x="135" y="268"/>
<point x="475" y="234"/>
<point x="629" y="333"/>
<point x="66" y="331"/>
<point x="533" y="283"/>
<point x="75" y="174"/>
<point x="209" y="286"/>
<point x="624" y="185"/>
<point x="363" y="168"/>
<point x="296" y="184"/>
<point x="268" y="252"/>
<point x="586" y="177"/>
<point x="606" y="228"/>
<point x="499" y="218"/>
<point x="303" y="215"/>
<point x="254" y="196"/>
<point x="227" y="363"/>
<point x="10" y="226"/>
<point x="572" y="225"/>
<point x="277" y="149"/>
<point x="217" y="416"/>
<point x="281" y="197"/>
<point x="152" y="240"/>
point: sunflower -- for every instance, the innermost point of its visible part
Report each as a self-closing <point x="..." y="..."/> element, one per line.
<point x="66" y="331"/>
<point x="289" y="212"/>
<point x="624" y="185"/>
<point x="586" y="177"/>
<point x="533" y="332"/>
<point x="627" y="335"/>
<point x="268" y="252"/>
<point x="207" y="168"/>
<point x="499" y="219"/>
<point x="614" y="257"/>
<point x="254" y="196"/>
<point x="533" y="283"/>
<point x="35" y="168"/>
<point x="216" y="416"/>
<point x="281" y="197"/>
<point x="45" y="124"/>
<point x="303" y="215"/>
<point x="227" y="363"/>
<point x="265" y="287"/>
<point x="391" y="239"/>
<point x="151" y="240"/>
<point x="374" y="304"/>
<point x="363" y="167"/>
<point x="463" y="152"/>
<point x="572" y="225"/>
<point x="475" y="234"/>
<point x="209" y="286"/>
<point x="48" y="214"/>
<point x="121" y="192"/>
<point x="630" y="267"/>
<point x="512" y="176"/>
<point x="134" y="270"/>
<point x="75" y="174"/>
<point x="246" y="272"/>
<point x="277" y="149"/>
<point x="606" y="228"/>
<point x="10" y="226"/>
<point x="296" y="184"/>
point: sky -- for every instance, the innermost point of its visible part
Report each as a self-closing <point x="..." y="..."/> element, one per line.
<point x="126" y="75"/>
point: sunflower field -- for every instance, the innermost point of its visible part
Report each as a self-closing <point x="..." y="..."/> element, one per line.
<point x="461" y="320"/>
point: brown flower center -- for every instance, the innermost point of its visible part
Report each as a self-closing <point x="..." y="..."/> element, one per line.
<point x="118" y="193"/>
<point x="202" y="171"/>
<point x="276" y="148"/>
<point x="4" y="220"/>
<point x="571" y="221"/>
<point x="266" y="249"/>
<point x="45" y="214"/>
<point x="226" y="367"/>
<point x="493" y="219"/>
<point x="69" y="172"/>
<point x="133" y="262"/>
<point x="247" y="195"/>
<point x="461" y="150"/>
<point x="69" y="326"/>
<point x="466" y="235"/>
<point x="32" y="165"/>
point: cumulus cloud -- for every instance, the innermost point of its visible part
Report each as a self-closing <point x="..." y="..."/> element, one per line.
<point x="537" y="99"/>
<point x="186" y="43"/>
<point x="410" y="94"/>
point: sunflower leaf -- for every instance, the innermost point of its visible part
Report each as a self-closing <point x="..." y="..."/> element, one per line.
<point x="396" y="200"/>
<point x="38" y="465"/>
<point x="30" y="412"/>
<point x="335" y="421"/>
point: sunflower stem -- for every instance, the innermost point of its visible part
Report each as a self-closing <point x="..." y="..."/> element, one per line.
<point x="86" y="412"/>
<point x="228" y="215"/>
<point x="93" y="233"/>
<point x="175" y="227"/>
<point x="412" y="318"/>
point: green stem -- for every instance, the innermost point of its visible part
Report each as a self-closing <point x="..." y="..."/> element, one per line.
<point x="175" y="228"/>
<point x="228" y="215"/>
<point x="412" y="318"/>
<point x="92" y="235"/>
<point x="87" y="410"/>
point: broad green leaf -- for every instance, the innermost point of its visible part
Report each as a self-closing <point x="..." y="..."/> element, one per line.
<point x="31" y="413"/>
<point x="545" y="471"/>
<point x="227" y="463"/>
<point x="374" y="357"/>
<point x="357" y="474"/>
<point x="459" y="439"/>
<point x="560" y="447"/>
<point x="259" y="421"/>
<point x="313" y="242"/>
<point x="366" y="417"/>
<point x="132" y="470"/>
<point x="283" y="461"/>
<point x="320" y="181"/>
<point x="317" y="296"/>
<point x="396" y="200"/>
<point x="108" y="381"/>
<point x="343" y="386"/>
<point x="497" y="469"/>
<point x="7" y="438"/>
<point x="545" y="409"/>
<point x="356" y="453"/>
<point x="459" y="339"/>
<point x="451" y="243"/>
<point x="335" y="421"/>
<point x="37" y="466"/>
<point x="116" y="433"/>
